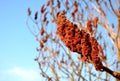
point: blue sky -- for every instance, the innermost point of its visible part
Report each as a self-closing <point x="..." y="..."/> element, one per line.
<point x="17" y="44"/>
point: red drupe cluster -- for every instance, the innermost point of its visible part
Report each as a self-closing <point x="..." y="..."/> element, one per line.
<point x="79" y="41"/>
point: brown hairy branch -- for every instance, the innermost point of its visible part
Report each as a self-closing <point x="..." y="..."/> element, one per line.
<point x="113" y="73"/>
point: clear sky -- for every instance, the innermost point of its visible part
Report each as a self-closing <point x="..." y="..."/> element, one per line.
<point x="17" y="44"/>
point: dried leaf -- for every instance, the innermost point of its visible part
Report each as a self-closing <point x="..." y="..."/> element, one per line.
<point x="41" y="44"/>
<point x="29" y="12"/>
<point x="58" y="3"/>
<point x="95" y="21"/>
<point x="75" y="4"/>
<point x="36" y="16"/>
<point x="42" y="31"/>
<point x="48" y="3"/>
<point x="43" y="9"/>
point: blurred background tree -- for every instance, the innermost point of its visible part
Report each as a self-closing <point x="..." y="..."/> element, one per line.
<point x="99" y="18"/>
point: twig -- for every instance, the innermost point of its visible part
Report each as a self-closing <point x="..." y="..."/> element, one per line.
<point x="112" y="8"/>
<point x="104" y="25"/>
<point x="113" y="73"/>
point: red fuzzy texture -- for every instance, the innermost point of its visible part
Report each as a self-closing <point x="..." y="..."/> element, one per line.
<point x="79" y="41"/>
